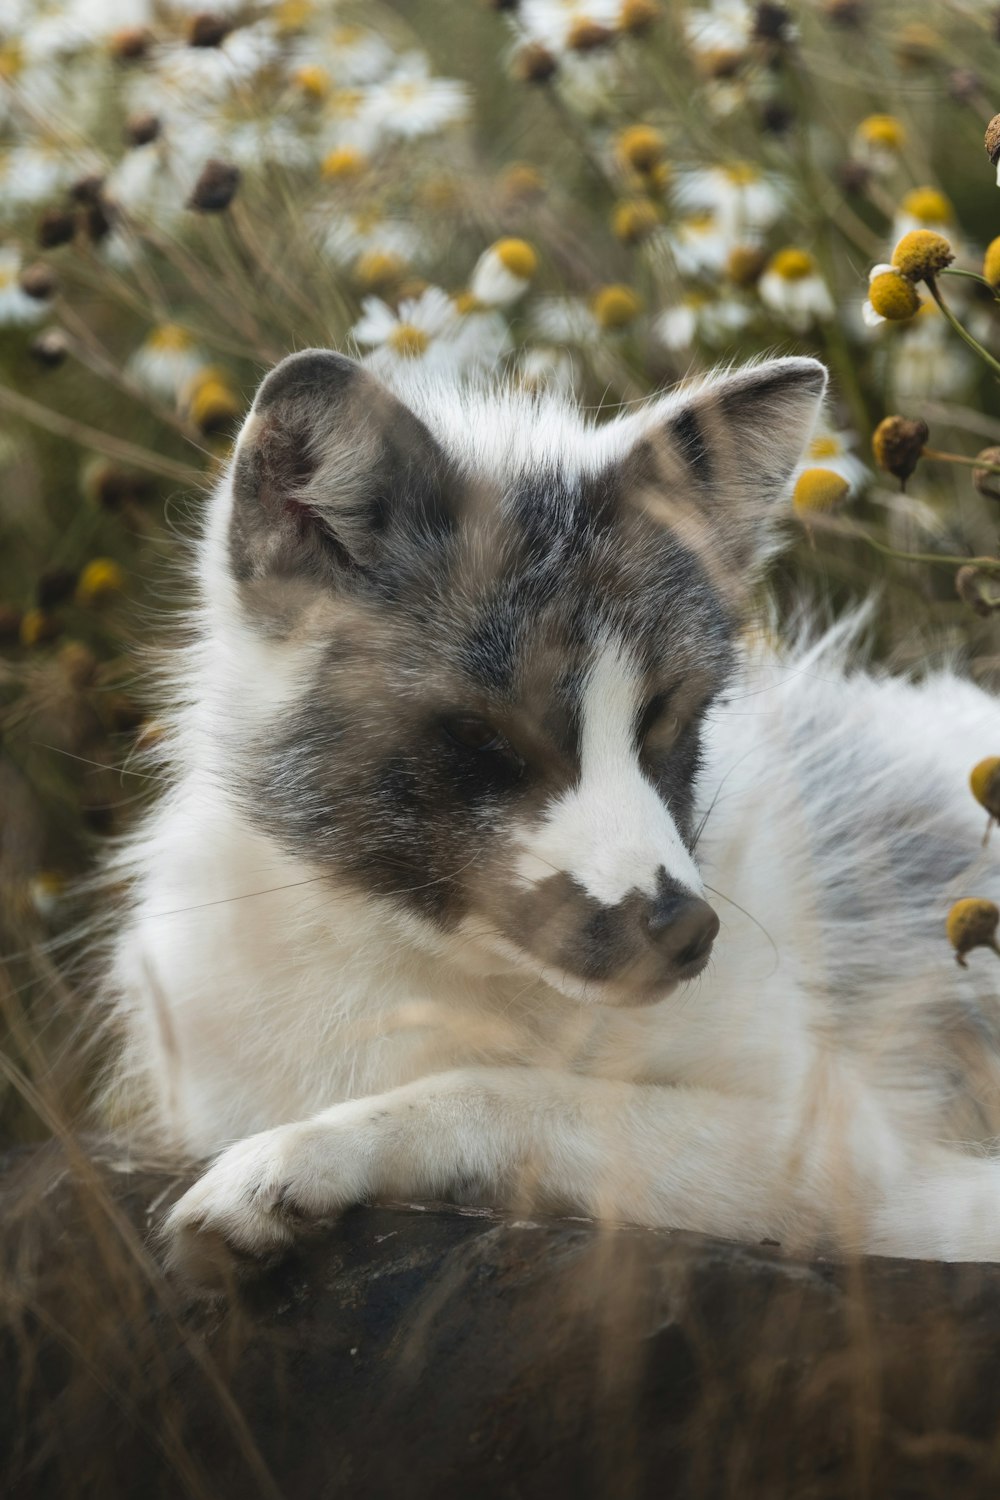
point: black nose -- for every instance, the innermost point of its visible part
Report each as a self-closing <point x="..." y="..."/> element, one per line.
<point x="683" y="928"/>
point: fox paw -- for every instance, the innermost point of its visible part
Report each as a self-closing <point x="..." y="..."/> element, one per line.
<point x="257" y="1199"/>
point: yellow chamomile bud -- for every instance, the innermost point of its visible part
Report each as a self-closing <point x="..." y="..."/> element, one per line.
<point x="312" y="81"/>
<point x="637" y="15"/>
<point x="37" y="627"/>
<point x="892" y="296"/>
<point x="972" y="923"/>
<point x="616" y="306"/>
<point x="634" y="219"/>
<point x="991" y="263"/>
<point x="897" y="444"/>
<point x="884" y="131"/>
<point x="99" y="581"/>
<point x="517" y="257"/>
<point x="793" y="264"/>
<point x="928" y="205"/>
<point x="818" y="491"/>
<point x="343" y="163"/>
<point x="984" y="781"/>
<point x="640" y="147"/>
<point x="921" y="254"/>
<point x="212" y="404"/>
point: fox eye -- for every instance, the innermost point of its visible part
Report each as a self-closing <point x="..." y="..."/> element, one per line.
<point x="652" y="714"/>
<point x="474" y="733"/>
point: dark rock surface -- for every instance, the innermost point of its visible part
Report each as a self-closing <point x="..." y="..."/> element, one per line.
<point x="438" y="1352"/>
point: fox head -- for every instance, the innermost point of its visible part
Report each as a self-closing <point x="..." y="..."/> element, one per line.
<point x="481" y="636"/>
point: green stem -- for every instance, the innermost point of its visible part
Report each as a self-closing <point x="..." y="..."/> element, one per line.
<point x="963" y="333"/>
<point x="988" y="564"/>
<point x="972" y="276"/>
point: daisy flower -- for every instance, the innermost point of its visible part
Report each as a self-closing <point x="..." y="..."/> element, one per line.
<point x="793" y="288"/>
<point x="424" y="329"/>
<point x="700" y="316"/>
<point x="503" y="273"/>
<point x="726" y="26"/>
<point x="167" y="361"/>
<point x="560" y="25"/>
<point x="699" y="245"/>
<point x="411" y="103"/>
<point x="351" y="237"/>
<point x="890" y="297"/>
<point x="743" y="201"/>
<point x="925" y="208"/>
<point x="831" y="450"/>
<point x="16" y="307"/>
<point x="878" y="141"/>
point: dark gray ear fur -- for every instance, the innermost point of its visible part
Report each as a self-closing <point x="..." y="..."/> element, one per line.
<point x="328" y="463"/>
<point x="717" y="462"/>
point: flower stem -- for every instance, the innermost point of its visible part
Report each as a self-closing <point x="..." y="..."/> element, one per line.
<point x="973" y="344"/>
<point x="972" y="276"/>
<point x="959" y="458"/>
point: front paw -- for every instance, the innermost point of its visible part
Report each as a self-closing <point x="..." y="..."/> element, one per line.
<point x="256" y="1200"/>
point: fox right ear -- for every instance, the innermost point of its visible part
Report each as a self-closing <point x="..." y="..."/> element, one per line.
<point x="328" y="463"/>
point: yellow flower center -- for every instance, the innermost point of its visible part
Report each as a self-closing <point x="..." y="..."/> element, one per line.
<point x="343" y="162"/>
<point x="699" y="223"/>
<point x="929" y="205"/>
<point x="922" y="253"/>
<point x="585" y="35"/>
<point x="793" y="264"/>
<point x="169" y="338"/>
<point x="211" y="403"/>
<point x="882" y="130"/>
<point x="640" y="147"/>
<point x="99" y="580"/>
<point x="522" y="180"/>
<point x="345" y="103"/>
<point x="379" y="267"/>
<point x="313" y="81"/>
<point x="742" y="173"/>
<point x="615" y="306"/>
<point x="819" y="490"/>
<point x="467" y="302"/>
<point x="11" y="59"/>
<point x="893" y="297"/>
<point x="517" y="257"/>
<point x="824" y="446"/>
<point x="972" y="923"/>
<point x="408" y="340"/>
<point x="991" y="262"/>
<point x="292" y="15"/>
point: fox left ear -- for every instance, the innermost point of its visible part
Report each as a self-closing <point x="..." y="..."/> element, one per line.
<point x="715" y="463"/>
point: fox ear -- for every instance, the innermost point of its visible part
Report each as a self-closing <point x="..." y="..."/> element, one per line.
<point x="716" y="462"/>
<point x="327" y="465"/>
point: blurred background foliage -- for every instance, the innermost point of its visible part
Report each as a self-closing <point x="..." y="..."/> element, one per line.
<point x="608" y="195"/>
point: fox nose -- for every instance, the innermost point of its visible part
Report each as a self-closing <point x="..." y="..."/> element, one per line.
<point x="683" y="928"/>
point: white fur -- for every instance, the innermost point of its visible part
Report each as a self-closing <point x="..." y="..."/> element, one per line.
<point x="349" y="1051"/>
<point x="611" y="832"/>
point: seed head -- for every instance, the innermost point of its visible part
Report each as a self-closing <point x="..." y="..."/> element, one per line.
<point x="49" y="348"/>
<point x="208" y="29"/>
<point x="972" y="923"/>
<point x="534" y="63"/>
<point x="638" y="15"/>
<point x="978" y="589"/>
<point x="588" y="36"/>
<point x="992" y="143"/>
<point x="57" y="226"/>
<point x="897" y="444"/>
<point x="921" y="254"/>
<point x="215" y="188"/>
<point x="640" y="147"/>
<point x="141" y="128"/>
<point x="986" y="481"/>
<point x="744" y="264"/>
<point x="39" y="281"/>
<point x="635" y="219"/>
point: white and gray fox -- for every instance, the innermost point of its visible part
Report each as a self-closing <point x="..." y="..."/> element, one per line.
<point x="497" y="863"/>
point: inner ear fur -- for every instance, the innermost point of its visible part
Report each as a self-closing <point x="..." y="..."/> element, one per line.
<point x="715" y="463"/>
<point x="328" y="462"/>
